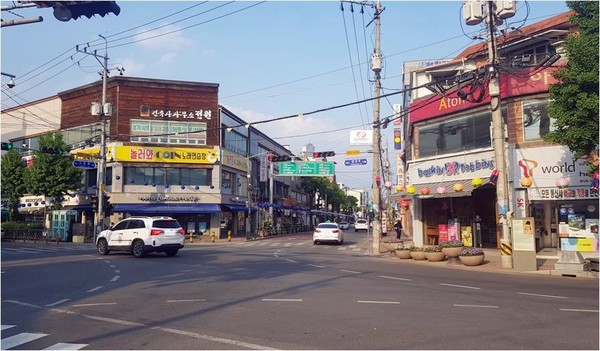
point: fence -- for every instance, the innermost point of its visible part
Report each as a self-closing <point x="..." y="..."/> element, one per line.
<point x="31" y="234"/>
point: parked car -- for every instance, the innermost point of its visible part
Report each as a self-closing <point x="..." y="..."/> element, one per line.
<point x="141" y="235"/>
<point x="361" y="224"/>
<point x="328" y="232"/>
<point x="344" y="225"/>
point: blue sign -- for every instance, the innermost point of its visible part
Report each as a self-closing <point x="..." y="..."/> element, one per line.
<point x="87" y="164"/>
<point x="356" y="162"/>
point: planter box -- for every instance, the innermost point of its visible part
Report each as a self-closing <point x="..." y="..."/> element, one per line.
<point x="452" y="251"/>
<point x="472" y="260"/>
<point x="403" y="254"/>
<point x="418" y="255"/>
<point x="435" y="256"/>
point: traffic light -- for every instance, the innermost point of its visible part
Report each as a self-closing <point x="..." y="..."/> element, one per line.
<point x="107" y="206"/>
<point x="94" y="202"/>
<point x="51" y="150"/>
<point x="385" y="123"/>
<point x="71" y="10"/>
<point x="323" y="154"/>
<point x="7" y="146"/>
<point x="397" y="139"/>
<point x="279" y="158"/>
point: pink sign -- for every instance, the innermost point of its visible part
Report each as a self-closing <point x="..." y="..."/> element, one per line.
<point x="453" y="233"/>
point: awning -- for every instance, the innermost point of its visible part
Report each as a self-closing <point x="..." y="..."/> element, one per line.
<point x="156" y="209"/>
<point x="468" y="188"/>
<point x="237" y="208"/>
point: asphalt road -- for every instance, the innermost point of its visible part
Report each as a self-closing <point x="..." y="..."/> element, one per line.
<point x="281" y="293"/>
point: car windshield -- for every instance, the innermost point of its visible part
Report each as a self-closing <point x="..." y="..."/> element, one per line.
<point x="327" y="225"/>
<point x="343" y="222"/>
<point x="361" y="221"/>
<point x="166" y="224"/>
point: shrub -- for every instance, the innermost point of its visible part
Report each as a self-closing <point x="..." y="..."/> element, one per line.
<point x="434" y="248"/>
<point x="452" y="243"/>
<point x="405" y="248"/>
<point x="416" y="249"/>
<point x="21" y="226"/>
<point x="471" y="251"/>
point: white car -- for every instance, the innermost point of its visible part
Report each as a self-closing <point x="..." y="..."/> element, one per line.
<point x="141" y="235"/>
<point x="344" y="225"/>
<point x="328" y="232"/>
<point x="361" y="224"/>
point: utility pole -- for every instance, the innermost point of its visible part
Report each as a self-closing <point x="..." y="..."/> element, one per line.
<point x="498" y="137"/>
<point x="376" y="66"/>
<point x="104" y="110"/>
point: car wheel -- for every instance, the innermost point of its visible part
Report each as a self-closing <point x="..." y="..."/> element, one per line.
<point x="341" y="242"/>
<point x="172" y="253"/>
<point x="102" y="247"/>
<point x="137" y="248"/>
<point x="355" y="230"/>
<point x="315" y="242"/>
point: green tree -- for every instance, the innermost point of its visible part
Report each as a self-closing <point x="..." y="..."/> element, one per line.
<point x="13" y="180"/>
<point x="53" y="174"/>
<point x="574" y="99"/>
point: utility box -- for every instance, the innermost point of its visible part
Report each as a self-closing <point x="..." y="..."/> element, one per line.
<point x="62" y="224"/>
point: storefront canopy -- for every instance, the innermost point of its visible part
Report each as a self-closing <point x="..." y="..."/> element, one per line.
<point x="237" y="208"/>
<point x="468" y="188"/>
<point x="165" y="209"/>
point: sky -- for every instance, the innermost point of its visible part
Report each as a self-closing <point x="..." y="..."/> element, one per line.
<point x="270" y="58"/>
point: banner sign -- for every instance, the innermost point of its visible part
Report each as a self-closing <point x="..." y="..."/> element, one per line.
<point x="165" y="154"/>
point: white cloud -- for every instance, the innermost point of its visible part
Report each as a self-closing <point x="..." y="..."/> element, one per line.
<point x="159" y="39"/>
<point x="168" y="57"/>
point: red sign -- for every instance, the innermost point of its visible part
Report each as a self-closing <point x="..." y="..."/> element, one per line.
<point x="510" y="85"/>
<point x="443" y="233"/>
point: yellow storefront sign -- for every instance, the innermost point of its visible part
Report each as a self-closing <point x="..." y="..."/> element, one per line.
<point x="165" y="154"/>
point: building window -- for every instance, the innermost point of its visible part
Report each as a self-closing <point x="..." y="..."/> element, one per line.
<point x="170" y="176"/>
<point x="227" y="181"/>
<point x="456" y="135"/>
<point x="168" y="132"/>
<point x="536" y="122"/>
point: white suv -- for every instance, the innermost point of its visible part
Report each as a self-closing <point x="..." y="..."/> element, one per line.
<point x="361" y="224"/>
<point x="141" y="235"/>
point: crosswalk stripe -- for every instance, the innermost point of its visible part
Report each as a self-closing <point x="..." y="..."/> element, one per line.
<point x="6" y="326"/>
<point x="66" y="346"/>
<point x="20" y="339"/>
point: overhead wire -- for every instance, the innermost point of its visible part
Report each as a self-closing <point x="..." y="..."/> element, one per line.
<point x="350" y="57"/>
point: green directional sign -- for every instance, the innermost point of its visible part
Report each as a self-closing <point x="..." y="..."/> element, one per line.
<point x="307" y="169"/>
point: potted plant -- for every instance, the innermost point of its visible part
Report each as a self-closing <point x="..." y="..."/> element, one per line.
<point x="471" y="256"/>
<point x="403" y="252"/>
<point x="434" y="253"/>
<point x="389" y="244"/>
<point x="417" y="253"/>
<point x="452" y="248"/>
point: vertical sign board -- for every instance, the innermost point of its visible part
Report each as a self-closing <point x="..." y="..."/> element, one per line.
<point x="523" y="230"/>
<point x="262" y="169"/>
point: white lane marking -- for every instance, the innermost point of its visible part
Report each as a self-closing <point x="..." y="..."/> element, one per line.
<point x="115" y="278"/>
<point x="94" y="289"/>
<point x="541" y="295"/>
<point x="355" y="249"/>
<point x="379" y="302"/>
<point x="476" y="306"/>
<point x="57" y="303"/>
<point x="461" y="286"/>
<point x="20" y="339"/>
<point x="116" y="321"/>
<point x="238" y="344"/>
<point x="315" y="265"/>
<point x="395" y="278"/>
<point x="23" y="303"/>
<point x="7" y="326"/>
<point x="290" y="260"/>
<point x="187" y="300"/>
<point x="112" y="266"/>
<point x="66" y="346"/>
<point x="107" y="261"/>
<point x="117" y="271"/>
<point x="348" y="271"/>
<point x="282" y="300"/>
<point x="576" y="310"/>
<point x="95" y="304"/>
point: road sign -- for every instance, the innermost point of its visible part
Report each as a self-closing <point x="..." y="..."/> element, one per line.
<point x="87" y="164"/>
<point x="310" y="169"/>
<point x="352" y="152"/>
<point x="356" y="162"/>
